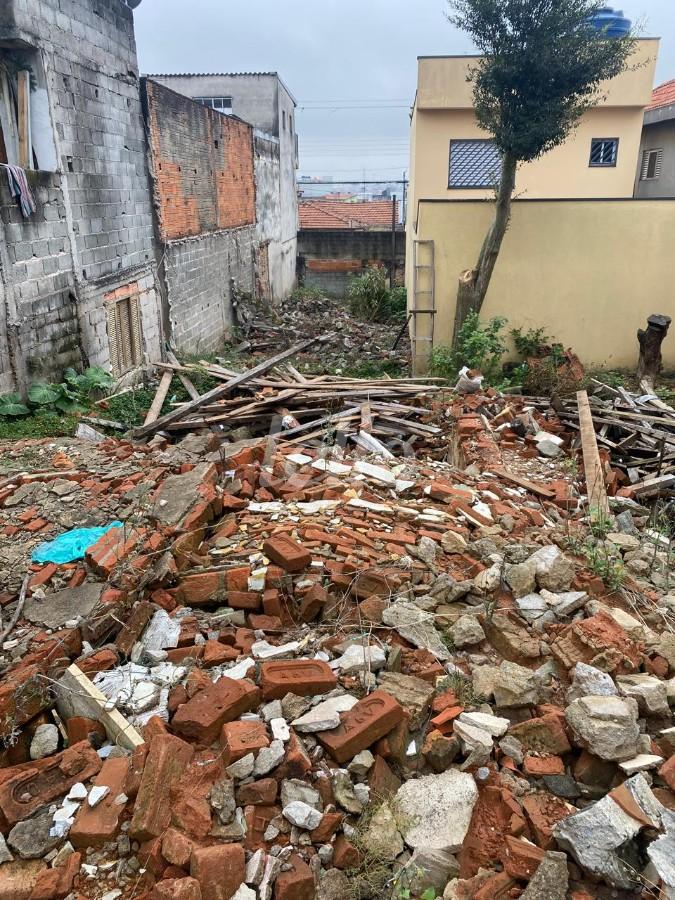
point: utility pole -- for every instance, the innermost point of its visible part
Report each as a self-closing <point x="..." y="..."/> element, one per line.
<point x="393" y="243"/>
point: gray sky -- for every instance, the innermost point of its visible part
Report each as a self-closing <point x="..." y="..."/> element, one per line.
<point x="334" y="54"/>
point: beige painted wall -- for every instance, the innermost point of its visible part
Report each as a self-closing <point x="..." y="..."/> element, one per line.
<point x="444" y="111"/>
<point x="442" y="80"/>
<point x="590" y="272"/>
<point x="563" y="172"/>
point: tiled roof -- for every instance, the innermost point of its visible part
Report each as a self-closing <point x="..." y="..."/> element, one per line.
<point x="341" y="214"/>
<point x="663" y="95"/>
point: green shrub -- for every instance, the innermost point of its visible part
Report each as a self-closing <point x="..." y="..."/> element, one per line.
<point x="371" y="300"/>
<point x="70" y="396"/>
<point x="479" y="346"/>
<point x="530" y="342"/>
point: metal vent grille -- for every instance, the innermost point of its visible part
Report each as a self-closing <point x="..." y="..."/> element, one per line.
<point x="651" y="165"/>
<point x="124" y="334"/>
<point x="474" y="164"/>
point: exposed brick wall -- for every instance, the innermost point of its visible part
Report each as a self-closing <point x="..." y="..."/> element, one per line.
<point x="93" y="229"/>
<point x="203" y="173"/>
<point x="202" y="166"/>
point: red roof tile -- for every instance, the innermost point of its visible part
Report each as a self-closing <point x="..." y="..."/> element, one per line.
<point x="341" y="214"/>
<point x="663" y="95"/>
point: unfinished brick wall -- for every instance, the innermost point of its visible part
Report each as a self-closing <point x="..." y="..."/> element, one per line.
<point x="202" y="166"/>
<point x="93" y="229"/>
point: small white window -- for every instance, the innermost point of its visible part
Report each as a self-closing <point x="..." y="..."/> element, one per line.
<point x="651" y="165"/>
<point x="604" y="152"/>
<point x="220" y="104"/>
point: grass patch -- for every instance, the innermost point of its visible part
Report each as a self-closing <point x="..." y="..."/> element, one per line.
<point x="39" y="425"/>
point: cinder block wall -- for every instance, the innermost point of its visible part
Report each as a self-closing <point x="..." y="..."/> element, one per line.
<point x="205" y="204"/>
<point x="328" y="258"/>
<point x="93" y="230"/>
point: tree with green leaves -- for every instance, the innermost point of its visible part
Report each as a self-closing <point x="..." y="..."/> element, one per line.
<point x="542" y="66"/>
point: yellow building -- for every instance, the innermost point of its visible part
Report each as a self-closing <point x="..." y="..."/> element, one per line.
<point x="575" y="255"/>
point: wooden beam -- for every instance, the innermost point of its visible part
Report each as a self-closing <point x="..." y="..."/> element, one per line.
<point x="530" y="486"/>
<point x="159" y="398"/>
<point x="77" y="696"/>
<point x="23" y="102"/>
<point x="221" y="390"/>
<point x="193" y="393"/>
<point x="595" y="479"/>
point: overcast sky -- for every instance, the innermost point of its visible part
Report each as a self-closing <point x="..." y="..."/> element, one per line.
<point x="334" y="55"/>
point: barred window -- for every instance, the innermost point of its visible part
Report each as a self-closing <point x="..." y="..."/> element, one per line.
<point x="604" y="152"/>
<point x="474" y="164"/>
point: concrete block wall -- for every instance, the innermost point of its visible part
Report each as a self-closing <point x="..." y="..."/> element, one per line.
<point x="202" y="273"/>
<point x="94" y="225"/>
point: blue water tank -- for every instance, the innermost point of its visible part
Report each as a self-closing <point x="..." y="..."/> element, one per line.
<point x="611" y="22"/>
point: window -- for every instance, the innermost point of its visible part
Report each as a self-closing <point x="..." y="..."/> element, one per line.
<point x="474" y="164"/>
<point x="124" y="333"/>
<point x="220" y="104"/>
<point x="283" y="118"/>
<point x="604" y="152"/>
<point x="651" y="165"/>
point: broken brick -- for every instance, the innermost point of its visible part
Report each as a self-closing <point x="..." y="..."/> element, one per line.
<point x="361" y="726"/>
<point x="202" y="717"/>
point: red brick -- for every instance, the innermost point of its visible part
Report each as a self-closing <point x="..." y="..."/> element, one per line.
<point x="42" y="576"/>
<point x="133" y="627"/>
<point x="258" y="793"/>
<point x="287" y="553"/>
<point x="215" y="654"/>
<point x="94" y="826"/>
<point x="303" y="677"/>
<point x="101" y="661"/>
<point x="345" y="855"/>
<point x="177" y="848"/>
<point x="327" y="828"/>
<point x="202" y="588"/>
<point x="44" y="780"/>
<point x="544" y="811"/>
<point x="297" y="883"/>
<point x="55" y="884"/>
<point x="202" y="717"/>
<point x="244" y="600"/>
<point x="312" y="603"/>
<point x="257" y="819"/>
<point x="176" y="889"/>
<point x="23" y="694"/>
<point x="79" y="728"/>
<point x="167" y="759"/>
<point x="219" y="870"/>
<point x="537" y="766"/>
<point x="112" y="548"/>
<point x="371" y="718"/>
<point x="241" y="738"/>
<point x="667" y="772"/>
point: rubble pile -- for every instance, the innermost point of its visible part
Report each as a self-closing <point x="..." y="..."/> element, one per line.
<point x="300" y="672"/>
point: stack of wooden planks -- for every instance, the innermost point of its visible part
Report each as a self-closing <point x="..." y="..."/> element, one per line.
<point x="638" y="430"/>
<point x="274" y="398"/>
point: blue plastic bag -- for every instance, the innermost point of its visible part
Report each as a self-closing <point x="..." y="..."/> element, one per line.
<point x="70" y="545"/>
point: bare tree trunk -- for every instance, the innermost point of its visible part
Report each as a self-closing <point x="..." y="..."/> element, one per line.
<point x="650" y="340"/>
<point x="474" y="283"/>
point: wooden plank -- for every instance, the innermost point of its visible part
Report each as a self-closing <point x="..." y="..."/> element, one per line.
<point x="159" y="398"/>
<point x="595" y="479"/>
<point x="366" y="418"/>
<point x="221" y="390"/>
<point x="8" y="122"/>
<point x="193" y="393"/>
<point x="651" y="486"/>
<point x="77" y="696"/>
<point x="319" y="423"/>
<point x="537" y="489"/>
<point x="23" y="103"/>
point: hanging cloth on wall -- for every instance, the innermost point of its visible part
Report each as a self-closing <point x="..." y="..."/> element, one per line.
<point x="20" y="189"/>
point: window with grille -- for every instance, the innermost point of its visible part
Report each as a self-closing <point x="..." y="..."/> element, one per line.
<point x="651" y="165"/>
<point x="124" y="334"/>
<point x="220" y="104"/>
<point x="474" y="164"/>
<point x="604" y="152"/>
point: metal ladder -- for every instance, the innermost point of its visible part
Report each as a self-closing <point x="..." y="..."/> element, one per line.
<point x="423" y="302"/>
